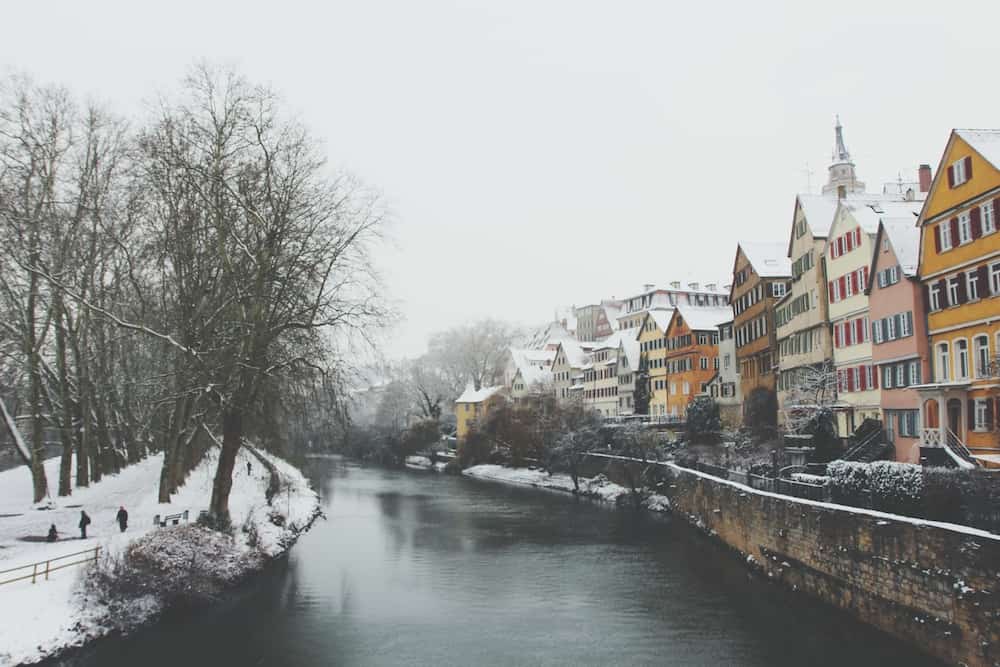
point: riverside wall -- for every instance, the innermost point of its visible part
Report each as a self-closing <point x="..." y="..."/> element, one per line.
<point x="933" y="585"/>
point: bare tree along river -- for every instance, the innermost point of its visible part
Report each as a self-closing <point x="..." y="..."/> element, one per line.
<point x="415" y="568"/>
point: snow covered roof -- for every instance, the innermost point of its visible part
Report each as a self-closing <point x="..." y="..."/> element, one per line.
<point x="630" y="347"/>
<point x="472" y="395"/>
<point x="984" y="142"/>
<point x="868" y="215"/>
<point x="819" y="211"/>
<point x="661" y="316"/>
<point x="575" y="354"/>
<point x="904" y="236"/>
<point x="705" y="319"/>
<point x="532" y="375"/>
<point x="769" y="258"/>
<point x="612" y="311"/>
<point x="863" y="214"/>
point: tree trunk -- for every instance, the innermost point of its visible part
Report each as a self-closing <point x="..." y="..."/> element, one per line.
<point x="66" y="416"/>
<point x="232" y="434"/>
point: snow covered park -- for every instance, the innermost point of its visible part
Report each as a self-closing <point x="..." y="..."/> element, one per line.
<point x="43" y="618"/>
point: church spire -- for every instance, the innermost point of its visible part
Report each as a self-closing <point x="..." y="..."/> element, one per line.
<point x="843" y="180"/>
<point x="840" y="154"/>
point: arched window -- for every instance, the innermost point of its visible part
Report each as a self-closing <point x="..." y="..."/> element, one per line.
<point x="943" y="374"/>
<point x="961" y="359"/>
<point x="981" y="350"/>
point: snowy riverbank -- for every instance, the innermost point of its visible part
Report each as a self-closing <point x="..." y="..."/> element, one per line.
<point x="46" y="618"/>
<point x="598" y="488"/>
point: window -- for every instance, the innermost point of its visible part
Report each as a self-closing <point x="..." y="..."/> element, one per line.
<point x="942" y="363"/>
<point x="964" y="229"/>
<point x="890" y="328"/>
<point x="982" y="415"/>
<point x="944" y="235"/>
<point x="972" y="285"/>
<point x="673" y="388"/>
<point x="959" y="173"/>
<point x="989" y="224"/>
<point x="726" y="360"/>
<point x="687" y="387"/>
<point x="900" y="375"/>
<point x="906" y="324"/>
<point x="995" y="278"/>
<point x="877" y="331"/>
<point x="961" y="359"/>
<point x="953" y="291"/>
<point x="778" y="289"/>
<point x="935" y="295"/>
<point x="887" y="377"/>
<point x="981" y="350"/>
<point x="914" y="372"/>
<point x="704" y="363"/>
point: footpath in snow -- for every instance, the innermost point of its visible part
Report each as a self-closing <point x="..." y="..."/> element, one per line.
<point x="43" y="619"/>
<point x="599" y="488"/>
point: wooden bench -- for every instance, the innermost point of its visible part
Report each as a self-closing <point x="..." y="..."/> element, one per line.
<point x="168" y="519"/>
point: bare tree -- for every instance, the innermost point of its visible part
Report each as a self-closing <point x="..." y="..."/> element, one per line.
<point x="473" y="353"/>
<point x="812" y="394"/>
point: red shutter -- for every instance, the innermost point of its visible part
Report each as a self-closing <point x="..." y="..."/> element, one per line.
<point x="954" y="232"/>
<point x="951" y="177"/>
<point x="865" y="269"/>
<point x="937" y="239"/>
<point x="859" y="330"/>
<point x="977" y="225"/>
<point x="862" y="378"/>
<point x="968" y="168"/>
<point x="829" y="287"/>
<point x="843" y="286"/>
<point x="836" y="336"/>
<point x="874" y="377"/>
<point x="854" y="281"/>
<point x="857" y="237"/>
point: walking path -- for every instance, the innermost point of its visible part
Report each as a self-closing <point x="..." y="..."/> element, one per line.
<point x="39" y="619"/>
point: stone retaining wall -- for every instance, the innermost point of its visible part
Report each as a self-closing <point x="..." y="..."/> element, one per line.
<point x="933" y="585"/>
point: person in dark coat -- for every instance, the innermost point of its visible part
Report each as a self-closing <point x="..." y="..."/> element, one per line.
<point x="53" y="533"/>
<point x="122" y="518"/>
<point x="249" y="468"/>
<point x="84" y="522"/>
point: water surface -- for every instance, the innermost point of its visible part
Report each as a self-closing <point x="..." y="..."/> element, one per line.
<point x="414" y="568"/>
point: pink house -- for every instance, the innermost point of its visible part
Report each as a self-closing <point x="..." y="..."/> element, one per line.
<point x="899" y="332"/>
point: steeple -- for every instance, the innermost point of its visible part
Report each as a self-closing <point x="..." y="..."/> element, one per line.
<point x="842" y="180"/>
<point x="840" y="153"/>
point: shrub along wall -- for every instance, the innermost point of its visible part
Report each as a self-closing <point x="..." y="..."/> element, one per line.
<point x="931" y="585"/>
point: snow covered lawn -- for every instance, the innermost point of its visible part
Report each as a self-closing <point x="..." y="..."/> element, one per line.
<point x="598" y="487"/>
<point x="37" y="620"/>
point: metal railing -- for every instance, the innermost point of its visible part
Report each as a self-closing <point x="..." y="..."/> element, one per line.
<point x="787" y="487"/>
<point x="44" y="567"/>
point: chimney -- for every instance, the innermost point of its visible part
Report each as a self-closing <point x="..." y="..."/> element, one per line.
<point x="924" y="173"/>
<point x="710" y="286"/>
<point x="693" y="287"/>
<point x="648" y="287"/>
<point x="676" y="284"/>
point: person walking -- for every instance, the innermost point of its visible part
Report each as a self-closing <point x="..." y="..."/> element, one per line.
<point x="84" y="522"/>
<point x="249" y="469"/>
<point x="122" y="518"/>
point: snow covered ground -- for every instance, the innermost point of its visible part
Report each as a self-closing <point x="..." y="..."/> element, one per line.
<point x="37" y="620"/>
<point x="424" y="463"/>
<point x="598" y="487"/>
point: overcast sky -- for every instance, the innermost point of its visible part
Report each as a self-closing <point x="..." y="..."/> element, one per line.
<point x="538" y="154"/>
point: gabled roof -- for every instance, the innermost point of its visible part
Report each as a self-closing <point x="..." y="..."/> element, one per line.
<point x="576" y="357"/>
<point x="704" y="319"/>
<point x="819" y="211"/>
<point x="472" y="395"/>
<point x="984" y="142"/>
<point x="629" y="346"/>
<point x="904" y="236"/>
<point x="768" y="258"/>
<point x="532" y="375"/>
<point x="661" y="317"/>
<point x="612" y="341"/>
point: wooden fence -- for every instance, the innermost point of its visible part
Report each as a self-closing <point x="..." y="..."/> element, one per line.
<point x="44" y="567"/>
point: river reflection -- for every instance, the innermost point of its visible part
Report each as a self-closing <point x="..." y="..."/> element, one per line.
<point x="415" y="568"/>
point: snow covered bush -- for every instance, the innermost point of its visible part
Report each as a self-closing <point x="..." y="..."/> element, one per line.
<point x="176" y="566"/>
<point x="884" y="485"/>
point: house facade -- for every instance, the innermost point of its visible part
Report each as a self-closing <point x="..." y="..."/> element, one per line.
<point x="652" y="350"/>
<point x="568" y="367"/>
<point x="628" y="364"/>
<point x="761" y="272"/>
<point x="960" y="273"/>
<point x="472" y="405"/>
<point x="900" y="351"/>
<point x="724" y="386"/>
<point x="691" y="356"/>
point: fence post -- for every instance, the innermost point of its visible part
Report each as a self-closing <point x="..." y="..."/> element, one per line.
<point x="47" y="569"/>
<point x="34" y="572"/>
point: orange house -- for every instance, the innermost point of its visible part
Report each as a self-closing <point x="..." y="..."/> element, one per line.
<point x="960" y="273"/>
<point x="692" y="353"/>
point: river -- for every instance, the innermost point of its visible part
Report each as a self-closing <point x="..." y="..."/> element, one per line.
<point x="416" y="568"/>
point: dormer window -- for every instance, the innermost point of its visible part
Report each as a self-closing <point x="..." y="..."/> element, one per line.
<point x="959" y="172"/>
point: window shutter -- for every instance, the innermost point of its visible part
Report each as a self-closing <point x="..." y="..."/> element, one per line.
<point x="862" y="378"/>
<point x="962" y="294"/>
<point x="945" y="300"/>
<point x="996" y="213"/>
<point x="829" y="287"/>
<point x="854" y="281"/>
<point x="976" y="223"/>
<point x="927" y="298"/>
<point x="857" y="237"/>
<point x="983" y="281"/>
<point x="874" y="377"/>
<point x="859" y="330"/>
<point x="951" y="176"/>
<point x="843" y="286"/>
<point x="989" y="416"/>
<point x="954" y="232"/>
<point x="968" y="168"/>
<point x="937" y="239"/>
<point x="864" y="274"/>
<point x="971" y="413"/>
<point x="836" y="335"/>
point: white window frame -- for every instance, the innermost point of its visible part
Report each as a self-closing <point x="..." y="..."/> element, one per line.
<point x="944" y="235"/>
<point x="935" y="296"/>
<point x="952" y="285"/>
<point x="964" y="228"/>
<point x="958" y="172"/>
<point x="989" y="225"/>
<point x="995" y="278"/>
<point x="981" y="409"/>
<point x="981" y="370"/>
<point x="942" y="361"/>
<point x="906" y="324"/>
<point x="972" y="285"/>
<point x="900" y="379"/>
<point x="961" y="359"/>
<point x="887" y="377"/>
<point x="890" y="328"/>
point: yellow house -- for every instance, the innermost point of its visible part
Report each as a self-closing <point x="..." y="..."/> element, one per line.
<point x="473" y="404"/>
<point x="960" y="273"/>
<point x="652" y="353"/>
